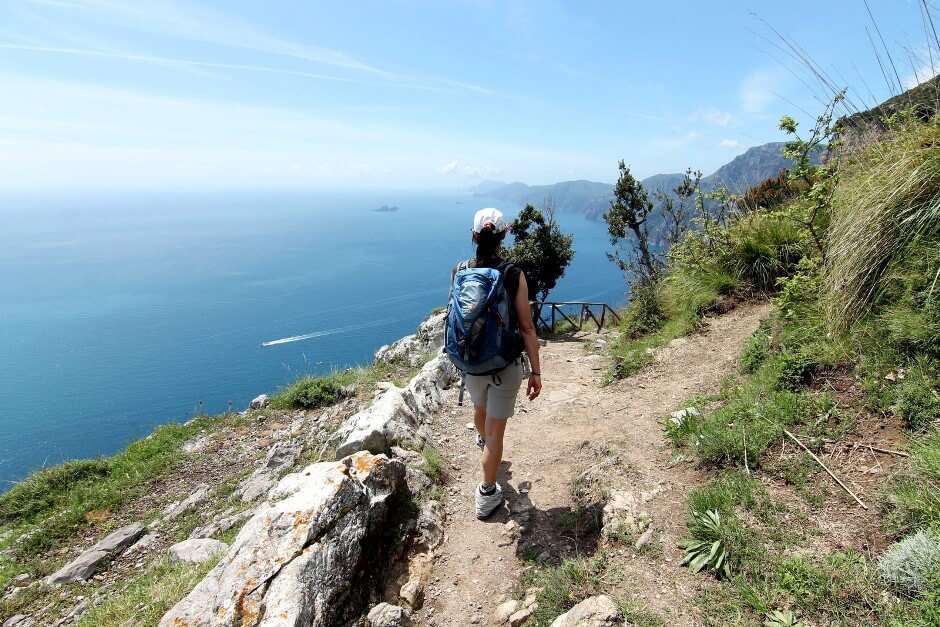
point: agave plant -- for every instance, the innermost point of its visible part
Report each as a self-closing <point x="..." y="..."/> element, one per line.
<point x="782" y="618"/>
<point x="709" y="554"/>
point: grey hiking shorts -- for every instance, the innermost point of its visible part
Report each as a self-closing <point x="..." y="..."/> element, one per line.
<point x="497" y="392"/>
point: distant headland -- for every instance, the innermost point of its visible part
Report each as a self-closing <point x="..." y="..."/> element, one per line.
<point x="386" y="209"/>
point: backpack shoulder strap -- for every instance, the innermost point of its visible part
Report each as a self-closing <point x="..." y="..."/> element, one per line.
<point x="463" y="265"/>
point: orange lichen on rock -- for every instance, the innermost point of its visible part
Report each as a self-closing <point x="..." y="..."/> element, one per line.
<point x="250" y="613"/>
<point x="302" y="518"/>
<point x="365" y="464"/>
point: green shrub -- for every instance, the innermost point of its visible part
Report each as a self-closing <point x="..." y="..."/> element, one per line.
<point x="917" y="401"/>
<point x="746" y="426"/>
<point x="799" y="294"/>
<point x="309" y="393"/>
<point x="792" y="370"/>
<point x="782" y="618"/>
<point x="908" y="566"/>
<point x="756" y="350"/>
<point x="684" y="430"/>
<point x="762" y="249"/>
<point x="913" y="497"/>
<point x="644" y="314"/>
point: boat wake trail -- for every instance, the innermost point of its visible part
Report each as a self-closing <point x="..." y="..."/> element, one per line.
<point x="307" y="336"/>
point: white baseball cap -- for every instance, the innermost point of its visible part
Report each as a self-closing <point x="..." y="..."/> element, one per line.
<point x="489" y="216"/>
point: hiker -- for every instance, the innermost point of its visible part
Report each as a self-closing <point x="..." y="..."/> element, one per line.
<point x="499" y="375"/>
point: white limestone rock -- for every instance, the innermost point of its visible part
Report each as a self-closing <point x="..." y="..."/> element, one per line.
<point x="400" y="415"/>
<point x="411" y="349"/>
<point x="599" y="611"/>
<point x="197" y="551"/>
<point x="519" y="617"/>
<point x="225" y="522"/>
<point x="175" y="510"/>
<point x="294" y="562"/>
<point x="388" y="615"/>
<point x="197" y="444"/>
<point x="625" y="512"/>
<point x="85" y="565"/>
<point x="430" y="526"/>
<point x="504" y="611"/>
<point x="281" y="455"/>
<point x="259" y="402"/>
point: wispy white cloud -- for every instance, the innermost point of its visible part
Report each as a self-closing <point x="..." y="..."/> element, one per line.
<point x="729" y="143"/>
<point x="758" y="89"/>
<point x="478" y="172"/>
<point x="712" y="116"/>
<point x="454" y="168"/>
<point x="203" y="24"/>
<point x="181" y="62"/>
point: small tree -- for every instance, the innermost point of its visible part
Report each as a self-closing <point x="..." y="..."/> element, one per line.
<point x="820" y="180"/>
<point x="676" y="212"/>
<point x="626" y="222"/>
<point x="540" y="249"/>
<point x="626" y="225"/>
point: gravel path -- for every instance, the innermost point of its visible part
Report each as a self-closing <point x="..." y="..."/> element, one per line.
<point x="572" y="447"/>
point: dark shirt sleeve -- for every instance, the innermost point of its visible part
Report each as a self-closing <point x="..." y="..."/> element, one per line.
<point x="512" y="280"/>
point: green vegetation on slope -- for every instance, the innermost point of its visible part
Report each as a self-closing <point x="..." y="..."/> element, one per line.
<point x="849" y="253"/>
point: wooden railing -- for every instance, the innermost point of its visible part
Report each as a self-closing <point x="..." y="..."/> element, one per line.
<point x="599" y="313"/>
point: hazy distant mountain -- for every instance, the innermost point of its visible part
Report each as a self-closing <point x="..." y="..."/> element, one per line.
<point x="485" y="187"/>
<point x="593" y="199"/>
<point x="584" y="197"/>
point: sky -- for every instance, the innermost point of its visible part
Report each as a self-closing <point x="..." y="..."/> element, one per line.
<point x="156" y="94"/>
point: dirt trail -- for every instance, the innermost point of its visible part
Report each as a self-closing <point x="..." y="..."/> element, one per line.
<point x="559" y="438"/>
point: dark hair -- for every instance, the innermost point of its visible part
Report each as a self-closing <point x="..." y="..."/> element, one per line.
<point x="488" y="241"/>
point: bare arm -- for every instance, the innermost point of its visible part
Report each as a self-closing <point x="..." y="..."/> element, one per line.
<point x="529" y="338"/>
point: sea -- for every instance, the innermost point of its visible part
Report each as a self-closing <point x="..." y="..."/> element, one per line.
<point x="120" y="312"/>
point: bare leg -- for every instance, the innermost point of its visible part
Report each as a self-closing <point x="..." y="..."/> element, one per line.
<point x="479" y="419"/>
<point x="493" y="451"/>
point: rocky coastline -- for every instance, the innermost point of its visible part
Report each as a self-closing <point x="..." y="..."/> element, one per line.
<point x="288" y="541"/>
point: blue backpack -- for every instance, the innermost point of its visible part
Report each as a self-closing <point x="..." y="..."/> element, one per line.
<point x="481" y="336"/>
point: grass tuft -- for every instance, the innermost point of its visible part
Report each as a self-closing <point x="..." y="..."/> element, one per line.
<point x="145" y="599"/>
<point x="887" y="203"/>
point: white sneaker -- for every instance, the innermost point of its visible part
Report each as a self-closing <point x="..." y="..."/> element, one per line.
<point x="487" y="504"/>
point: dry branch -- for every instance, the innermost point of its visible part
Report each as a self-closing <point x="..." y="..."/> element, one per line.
<point x="826" y="468"/>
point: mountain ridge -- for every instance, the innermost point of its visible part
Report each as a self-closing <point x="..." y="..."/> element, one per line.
<point x="592" y="198"/>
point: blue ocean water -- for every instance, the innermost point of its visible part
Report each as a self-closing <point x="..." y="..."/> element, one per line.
<point x="122" y="312"/>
